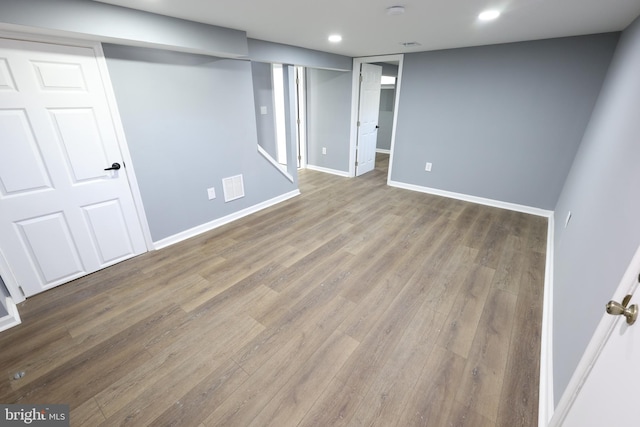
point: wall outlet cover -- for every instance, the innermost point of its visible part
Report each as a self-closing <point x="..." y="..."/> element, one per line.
<point x="211" y="192"/>
<point x="428" y="167"/>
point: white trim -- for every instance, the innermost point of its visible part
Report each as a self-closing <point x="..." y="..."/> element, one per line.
<point x="327" y="170"/>
<point x="192" y="232"/>
<point x="39" y="35"/>
<point x="301" y="103"/>
<point x="10" y="281"/>
<point x="12" y="319"/>
<point x="596" y="345"/>
<point x="277" y="165"/>
<point x="383" y="151"/>
<point x="355" y="101"/>
<point x="468" y="198"/>
<point x="279" y="116"/>
<point x="545" y="394"/>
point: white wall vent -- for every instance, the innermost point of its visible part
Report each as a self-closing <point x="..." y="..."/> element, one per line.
<point x="233" y="188"/>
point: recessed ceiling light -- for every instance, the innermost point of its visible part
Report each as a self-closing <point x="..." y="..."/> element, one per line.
<point x="395" y="10"/>
<point x="335" y="38"/>
<point x="489" y="15"/>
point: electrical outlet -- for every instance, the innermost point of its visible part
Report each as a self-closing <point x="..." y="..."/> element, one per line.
<point x="263" y="110"/>
<point x="324" y="150"/>
<point x="211" y="192"/>
<point x="428" y="167"/>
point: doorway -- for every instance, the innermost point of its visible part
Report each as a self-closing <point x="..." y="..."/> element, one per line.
<point x="300" y="115"/>
<point x="277" y="95"/>
<point x="393" y="62"/>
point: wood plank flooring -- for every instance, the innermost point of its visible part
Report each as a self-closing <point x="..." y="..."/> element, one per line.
<point x="353" y="304"/>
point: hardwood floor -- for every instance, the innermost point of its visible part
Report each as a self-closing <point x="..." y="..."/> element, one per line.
<point x="352" y="304"/>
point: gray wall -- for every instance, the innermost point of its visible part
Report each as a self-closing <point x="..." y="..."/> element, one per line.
<point x="328" y="118"/>
<point x="385" y="118"/>
<point x="390" y="70"/>
<point x="501" y="122"/>
<point x="385" y="115"/>
<point x="189" y="121"/>
<point x="263" y="97"/>
<point x="105" y="22"/>
<point x="602" y="192"/>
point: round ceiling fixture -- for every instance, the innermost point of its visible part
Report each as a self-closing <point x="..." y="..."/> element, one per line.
<point x="395" y="10"/>
<point x="335" y="38"/>
<point x="489" y="15"/>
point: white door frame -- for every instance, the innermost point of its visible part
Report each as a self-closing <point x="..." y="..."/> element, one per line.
<point x="301" y="92"/>
<point x="355" y="101"/>
<point x="5" y="271"/>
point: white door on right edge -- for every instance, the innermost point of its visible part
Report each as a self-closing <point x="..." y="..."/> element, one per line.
<point x="368" y="111"/>
<point x="62" y="213"/>
<point x="610" y="392"/>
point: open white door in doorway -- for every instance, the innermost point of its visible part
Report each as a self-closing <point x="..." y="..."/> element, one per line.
<point x="66" y="208"/>
<point x="368" y="110"/>
<point x="604" y="388"/>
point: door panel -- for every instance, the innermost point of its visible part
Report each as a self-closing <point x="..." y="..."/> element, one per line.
<point x="106" y="224"/>
<point x="78" y="134"/>
<point x="59" y="76"/>
<point x="368" y="112"/>
<point x="7" y="84"/>
<point x="24" y="169"/>
<point x="50" y="248"/>
<point x="61" y="214"/>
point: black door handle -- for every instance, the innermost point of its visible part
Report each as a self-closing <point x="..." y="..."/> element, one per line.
<point x="114" y="167"/>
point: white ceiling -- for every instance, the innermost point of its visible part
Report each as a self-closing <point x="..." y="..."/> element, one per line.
<point x="368" y="30"/>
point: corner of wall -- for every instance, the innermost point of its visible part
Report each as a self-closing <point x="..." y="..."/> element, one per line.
<point x="546" y="398"/>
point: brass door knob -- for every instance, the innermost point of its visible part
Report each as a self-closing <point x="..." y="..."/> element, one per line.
<point x="617" y="309"/>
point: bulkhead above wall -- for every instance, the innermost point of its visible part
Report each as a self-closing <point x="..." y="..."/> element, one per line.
<point x="91" y="20"/>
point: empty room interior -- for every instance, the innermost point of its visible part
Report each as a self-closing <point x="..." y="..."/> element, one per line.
<point x="330" y="213"/>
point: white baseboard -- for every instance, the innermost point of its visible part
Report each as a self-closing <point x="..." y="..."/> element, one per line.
<point x="383" y="151"/>
<point x="474" y="199"/>
<point x="12" y="319"/>
<point x="192" y="232"/>
<point x="546" y="403"/>
<point x="327" y="170"/>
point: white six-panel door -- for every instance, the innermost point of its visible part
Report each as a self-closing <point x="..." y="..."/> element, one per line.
<point x="368" y="112"/>
<point x="62" y="215"/>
